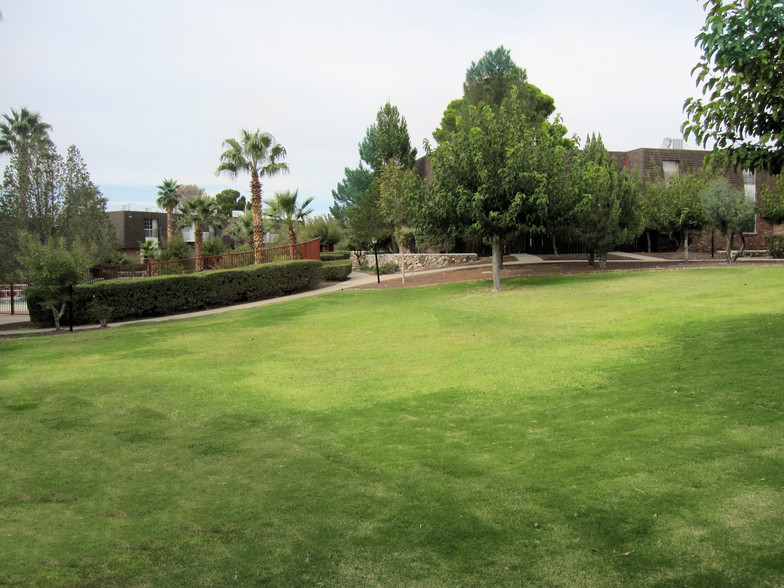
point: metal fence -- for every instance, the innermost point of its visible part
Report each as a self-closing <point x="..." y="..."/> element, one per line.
<point x="12" y="300"/>
<point x="307" y="250"/>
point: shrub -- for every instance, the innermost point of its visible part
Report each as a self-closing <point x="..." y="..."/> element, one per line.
<point x="176" y="248"/>
<point x="775" y="245"/>
<point x="335" y="255"/>
<point x="336" y="271"/>
<point x="389" y="267"/>
<point x="214" y="246"/>
<point x="161" y="295"/>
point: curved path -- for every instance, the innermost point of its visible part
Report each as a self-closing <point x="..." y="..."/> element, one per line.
<point x="356" y="279"/>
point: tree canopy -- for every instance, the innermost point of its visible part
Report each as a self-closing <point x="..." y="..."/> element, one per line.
<point x="257" y="154"/>
<point x="606" y="211"/>
<point x="357" y="195"/>
<point x="728" y="210"/>
<point x="487" y="180"/>
<point x="741" y="73"/>
<point x="52" y="199"/>
<point x="487" y="83"/>
<point x="23" y="126"/>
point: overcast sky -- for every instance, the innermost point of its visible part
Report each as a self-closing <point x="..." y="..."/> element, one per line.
<point x="149" y="90"/>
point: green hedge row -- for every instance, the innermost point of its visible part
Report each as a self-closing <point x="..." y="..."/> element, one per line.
<point x="335" y="255"/>
<point x="775" y="245"/>
<point x="164" y="295"/>
<point x="336" y="271"/>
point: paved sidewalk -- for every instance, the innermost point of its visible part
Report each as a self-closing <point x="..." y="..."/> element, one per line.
<point x="355" y="279"/>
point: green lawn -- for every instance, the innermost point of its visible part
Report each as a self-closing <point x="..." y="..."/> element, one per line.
<point x="616" y="429"/>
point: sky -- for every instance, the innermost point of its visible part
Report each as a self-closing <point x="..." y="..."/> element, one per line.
<point x="150" y="90"/>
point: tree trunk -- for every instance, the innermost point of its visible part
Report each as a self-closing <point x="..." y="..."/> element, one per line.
<point x="497" y="259"/>
<point x="555" y="248"/>
<point x="197" y="243"/>
<point x="591" y="255"/>
<point x="648" y="236"/>
<point x="258" y="223"/>
<point x="603" y="260"/>
<point x="169" y="225"/>
<point x="742" y="248"/>
<point x="729" y="237"/>
<point x="292" y="242"/>
<point x="686" y="245"/>
<point x="57" y="315"/>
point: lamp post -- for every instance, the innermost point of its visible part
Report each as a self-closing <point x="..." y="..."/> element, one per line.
<point x="375" y="253"/>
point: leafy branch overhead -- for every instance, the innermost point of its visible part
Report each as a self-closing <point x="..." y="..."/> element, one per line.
<point x="741" y="75"/>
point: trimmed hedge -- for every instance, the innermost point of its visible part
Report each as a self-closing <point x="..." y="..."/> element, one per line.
<point x="775" y="245"/>
<point x="336" y="271"/>
<point x="162" y="295"/>
<point x="335" y="255"/>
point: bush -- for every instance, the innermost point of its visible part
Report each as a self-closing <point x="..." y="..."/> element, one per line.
<point x="389" y="267"/>
<point x="336" y="271"/>
<point x="335" y="255"/>
<point x="162" y="295"/>
<point x="176" y="248"/>
<point x="775" y="245"/>
<point x="214" y="246"/>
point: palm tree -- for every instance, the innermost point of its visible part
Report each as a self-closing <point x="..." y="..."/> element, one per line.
<point x="240" y="228"/>
<point x="257" y="154"/>
<point x="201" y="212"/>
<point x="169" y="200"/>
<point x="285" y="211"/>
<point x="22" y="126"/>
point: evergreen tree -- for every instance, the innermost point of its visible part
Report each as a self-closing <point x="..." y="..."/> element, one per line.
<point x="606" y="212"/>
<point x="356" y="196"/>
<point x="488" y="83"/>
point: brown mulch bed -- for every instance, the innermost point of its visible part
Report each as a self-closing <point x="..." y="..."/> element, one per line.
<point x="554" y="265"/>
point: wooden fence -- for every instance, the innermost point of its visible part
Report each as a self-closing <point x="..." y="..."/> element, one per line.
<point x="307" y="250"/>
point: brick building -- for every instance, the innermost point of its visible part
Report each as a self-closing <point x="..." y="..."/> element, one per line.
<point x="657" y="164"/>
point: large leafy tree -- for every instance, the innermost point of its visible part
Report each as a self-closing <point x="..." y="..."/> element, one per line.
<point x="169" y="199"/>
<point x="742" y="77"/>
<point x="487" y="83"/>
<point x="286" y="212"/>
<point x="487" y="182"/>
<point x="730" y="211"/>
<point x="202" y="213"/>
<point x="22" y="126"/>
<point x="606" y="209"/>
<point x="257" y="154"/>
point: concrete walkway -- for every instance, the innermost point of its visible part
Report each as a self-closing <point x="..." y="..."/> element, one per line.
<point x="354" y="279"/>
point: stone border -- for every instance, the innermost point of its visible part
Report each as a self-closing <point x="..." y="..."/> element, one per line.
<point x="413" y="261"/>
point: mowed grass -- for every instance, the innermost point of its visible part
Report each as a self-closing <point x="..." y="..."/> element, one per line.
<point x="617" y="429"/>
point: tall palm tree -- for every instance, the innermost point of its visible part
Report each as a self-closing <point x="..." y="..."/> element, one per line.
<point x="22" y="126"/>
<point x="285" y="211"/>
<point x="169" y="200"/>
<point x="202" y="213"/>
<point x="259" y="155"/>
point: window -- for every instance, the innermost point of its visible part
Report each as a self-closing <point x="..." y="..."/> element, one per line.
<point x="151" y="229"/>
<point x="669" y="168"/>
